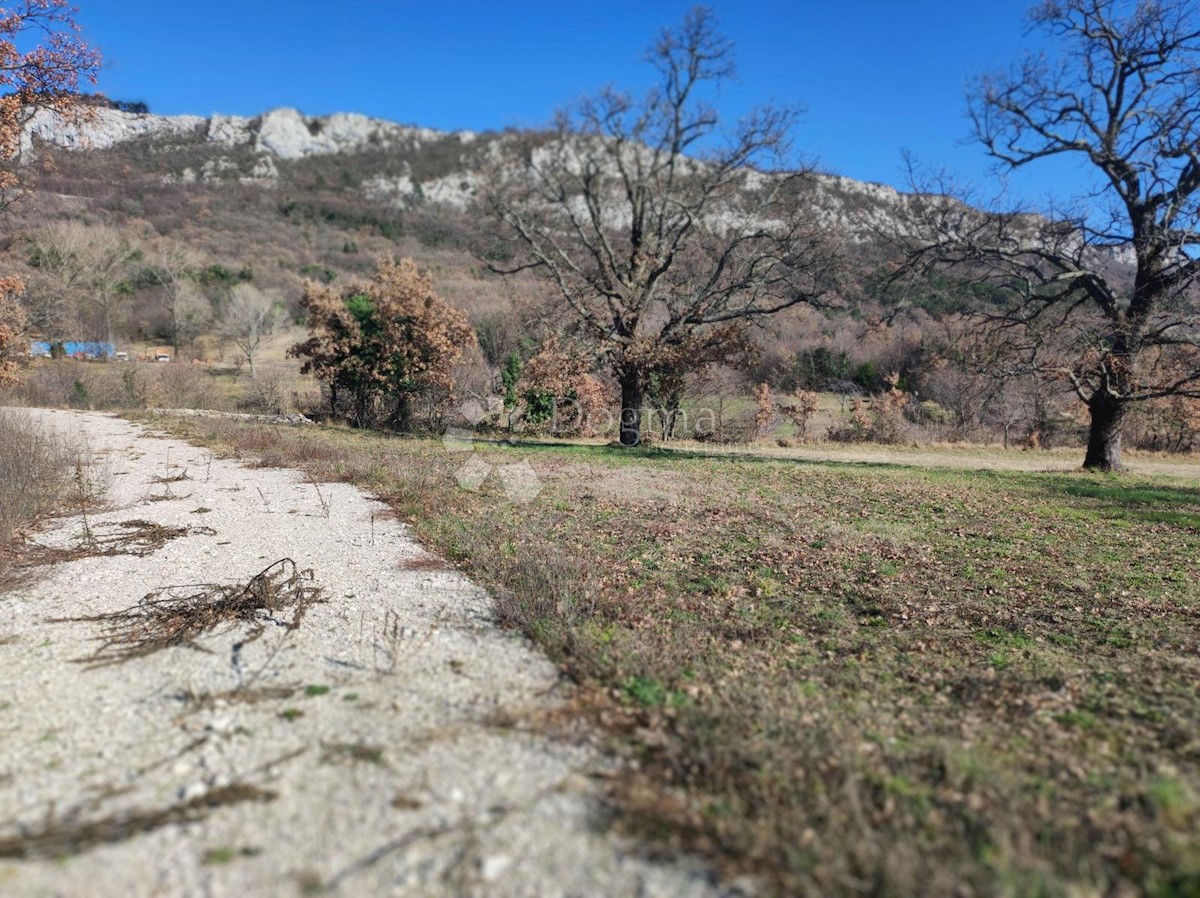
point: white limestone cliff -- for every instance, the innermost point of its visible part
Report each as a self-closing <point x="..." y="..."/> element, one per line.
<point x="282" y="133"/>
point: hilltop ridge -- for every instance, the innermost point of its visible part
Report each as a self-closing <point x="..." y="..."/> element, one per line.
<point x="437" y="166"/>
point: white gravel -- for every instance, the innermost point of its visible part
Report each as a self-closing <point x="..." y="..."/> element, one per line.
<point x="395" y="781"/>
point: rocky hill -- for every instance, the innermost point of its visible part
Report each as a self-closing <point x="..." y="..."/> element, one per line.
<point x="399" y="165"/>
<point x="282" y="198"/>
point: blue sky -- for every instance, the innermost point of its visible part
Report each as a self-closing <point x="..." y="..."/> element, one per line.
<point x="877" y="77"/>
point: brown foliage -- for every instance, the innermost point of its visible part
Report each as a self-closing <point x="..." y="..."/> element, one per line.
<point x="883" y="422"/>
<point x="565" y="375"/>
<point x="387" y="338"/>
<point x="13" y="350"/>
<point x="46" y="75"/>
<point x="801" y="410"/>
<point x="766" y="416"/>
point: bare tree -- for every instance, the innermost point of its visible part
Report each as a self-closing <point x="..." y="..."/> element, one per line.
<point x="56" y="292"/>
<point x="1104" y="296"/>
<point x="106" y="256"/>
<point x="663" y="240"/>
<point x="174" y="269"/>
<point x="250" y="318"/>
<point x="90" y="264"/>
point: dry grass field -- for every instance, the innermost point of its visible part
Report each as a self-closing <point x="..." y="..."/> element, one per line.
<point x="850" y="671"/>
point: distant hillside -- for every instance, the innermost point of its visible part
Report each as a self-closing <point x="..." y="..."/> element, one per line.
<point x="283" y="197"/>
<point x="400" y="165"/>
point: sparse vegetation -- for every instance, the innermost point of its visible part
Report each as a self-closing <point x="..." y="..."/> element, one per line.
<point x="36" y="466"/>
<point x="848" y="678"/>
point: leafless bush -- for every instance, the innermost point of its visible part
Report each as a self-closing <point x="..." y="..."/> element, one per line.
<point x="268" y="393"/>
<point x="883" y="421"/>
<point x="35" y="472"/>
<point x="727" y="427"/>
<point x="93" y="385"/>
<point x="178" y="386"/>
<point x="179" y="615"/>
<point x="1165" y="425"/>
<point x="800" y="408"/>
<point x="71" y="384"/>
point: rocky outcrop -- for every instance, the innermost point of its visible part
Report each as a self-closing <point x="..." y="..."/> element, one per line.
<point x="252" y="151"/>
<point x="99" y="128"/>
<point x="281" y="133"/>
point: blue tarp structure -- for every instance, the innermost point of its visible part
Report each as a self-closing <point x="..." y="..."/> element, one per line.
<point x="75" y="349"/>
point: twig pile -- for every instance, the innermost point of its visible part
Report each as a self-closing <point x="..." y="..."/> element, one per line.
<point x="63" y="837"/>
<point x="179" y="615"/>
<point x="136" y="537"/>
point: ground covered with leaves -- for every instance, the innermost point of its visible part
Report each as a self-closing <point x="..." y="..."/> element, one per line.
<point x="849" y="679"/>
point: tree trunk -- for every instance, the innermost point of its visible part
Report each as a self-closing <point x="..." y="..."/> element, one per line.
<point x="108" y="330"/>
<point x="402" y="417"/>
<point x="632" y="393"/>
<point x="1104" y="432"/>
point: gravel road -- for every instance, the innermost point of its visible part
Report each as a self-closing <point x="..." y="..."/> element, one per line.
<point x="368" y="751"/>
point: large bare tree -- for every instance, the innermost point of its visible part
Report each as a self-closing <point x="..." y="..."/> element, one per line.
<point x="1105" y="293"/>
<point x="109" y="258"/>
<point x="55" y="294"/>
<point x="664" y="234"/>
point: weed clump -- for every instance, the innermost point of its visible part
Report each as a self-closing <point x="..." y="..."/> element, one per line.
<point x="179" y="615"/>
<point x="35" y="475"/>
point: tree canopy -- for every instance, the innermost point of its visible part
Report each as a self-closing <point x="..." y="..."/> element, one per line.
<point x="378" y="343"/>
<point x="663" y="230"/>
<point x="1103" y="295"/>
<point x="46" y="74"/>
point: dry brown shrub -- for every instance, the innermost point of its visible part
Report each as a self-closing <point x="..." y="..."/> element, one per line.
<point x="801" y="410"/>
<point x="563" y="373"/>
<point x="383" y="344"/>
<point x="175" y="385"/>
<point x="766" y="416"/>
<point x="881" y="422"/>
<point x="179" y="615"/>
<point x="35" y="471"/>
<point x="14" y="351"/>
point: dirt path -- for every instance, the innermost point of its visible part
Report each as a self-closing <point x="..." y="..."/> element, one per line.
<point x="363" y="752"/>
